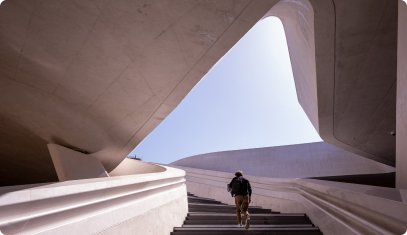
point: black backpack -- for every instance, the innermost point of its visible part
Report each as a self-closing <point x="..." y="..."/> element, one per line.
<point x="237" y="185"/>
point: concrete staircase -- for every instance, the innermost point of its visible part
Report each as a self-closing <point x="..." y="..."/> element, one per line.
<point x="207" y="216"/>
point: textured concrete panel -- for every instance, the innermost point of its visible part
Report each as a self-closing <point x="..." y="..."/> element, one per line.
<point x="73" y="165"/>
<point x="365" y="76"/>
<point x="401" y="166"/>
<point x="292" y="161"/>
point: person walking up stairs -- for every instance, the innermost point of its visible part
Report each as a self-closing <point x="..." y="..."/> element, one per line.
<point x="241" y="189"/>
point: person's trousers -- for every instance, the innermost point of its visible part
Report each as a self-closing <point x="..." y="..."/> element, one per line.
<point x="242" y="204"/>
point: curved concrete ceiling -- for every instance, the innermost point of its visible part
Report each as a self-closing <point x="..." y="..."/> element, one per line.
<point x="100" y="75"/>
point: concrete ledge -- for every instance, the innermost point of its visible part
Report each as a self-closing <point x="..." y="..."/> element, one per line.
<point x="92" y="205"/>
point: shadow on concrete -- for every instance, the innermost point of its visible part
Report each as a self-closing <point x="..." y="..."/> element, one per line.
<point x="382" y="180"/>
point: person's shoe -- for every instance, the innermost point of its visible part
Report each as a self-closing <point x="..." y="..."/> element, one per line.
<point x="247" y="224"/>
<point x="239" y="225"/>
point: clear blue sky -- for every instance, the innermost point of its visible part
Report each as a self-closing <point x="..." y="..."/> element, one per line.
<point x="248" y="100"/>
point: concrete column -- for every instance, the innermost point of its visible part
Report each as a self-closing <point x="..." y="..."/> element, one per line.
<point x="73" y="165"/>
<point x="401" y="130"/>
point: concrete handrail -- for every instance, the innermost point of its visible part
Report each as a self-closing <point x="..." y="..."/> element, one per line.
<point x="42" y="208"/>
<point x="341" y="208"/>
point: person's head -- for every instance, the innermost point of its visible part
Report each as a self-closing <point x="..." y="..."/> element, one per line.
<point x="239" y="173"/>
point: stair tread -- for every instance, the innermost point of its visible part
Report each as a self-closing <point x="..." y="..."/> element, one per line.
<point x="229" y="229"/>
<point x="201" y="198"/>
<point x="251" y="215"/>
<point x="217" y="205"/>
<point x="189" y="222"/>
<point x="253" y="225"/>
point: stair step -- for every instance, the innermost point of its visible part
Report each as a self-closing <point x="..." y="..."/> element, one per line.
<point x="251" y="226"/>
<point x="202" y="198"/>
<point x="196" y="205"/>
<point x="253" y="222"/>
<point x="226" y="210"/>
<point x="251" y="231"/>
<point x="239" y="229"/>
<point x="209" y="214"/>
<point x="203" y="201"/>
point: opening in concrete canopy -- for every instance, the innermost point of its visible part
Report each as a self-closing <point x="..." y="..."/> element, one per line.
<point x="247" y="100"/>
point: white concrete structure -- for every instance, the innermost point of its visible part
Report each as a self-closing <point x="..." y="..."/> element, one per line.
<point x="151" y="203"/>
<point x="99" y="76"/>
<point x="292" y="161"/>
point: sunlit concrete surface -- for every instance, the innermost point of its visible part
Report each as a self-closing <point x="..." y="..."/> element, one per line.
<point x="132" y="167"/>
<point x="110" y="205"/>
<point x="292" y="161"/>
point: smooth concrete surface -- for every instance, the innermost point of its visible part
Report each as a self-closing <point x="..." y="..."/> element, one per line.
<point x="132" y="167"/>
<point x="100" y="76"/>
<point x="297" y="18"/>
<point x="336" y="208"/>
<point x="94" y="205"/>
<point x="343" y="55"/>
<point x="165" y="217"/>
<point x="401" y="133"/>
<point x="73" y="165"/>
<point x="364" y="89"/>
<point x="292" y="161"/>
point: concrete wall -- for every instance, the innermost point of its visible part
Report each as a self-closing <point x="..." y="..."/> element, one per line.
<point x="343" y="56"/>
<point x="143" y="204"/>
<point x="298" y="21"/>
<point x="364" y="79"/>
<point x="401" y="134"/>
<point x="293" y="161"/>
<point x="160" y="220"/>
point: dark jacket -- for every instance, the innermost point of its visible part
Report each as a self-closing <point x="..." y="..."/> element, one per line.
<point x="245" y="189"/>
